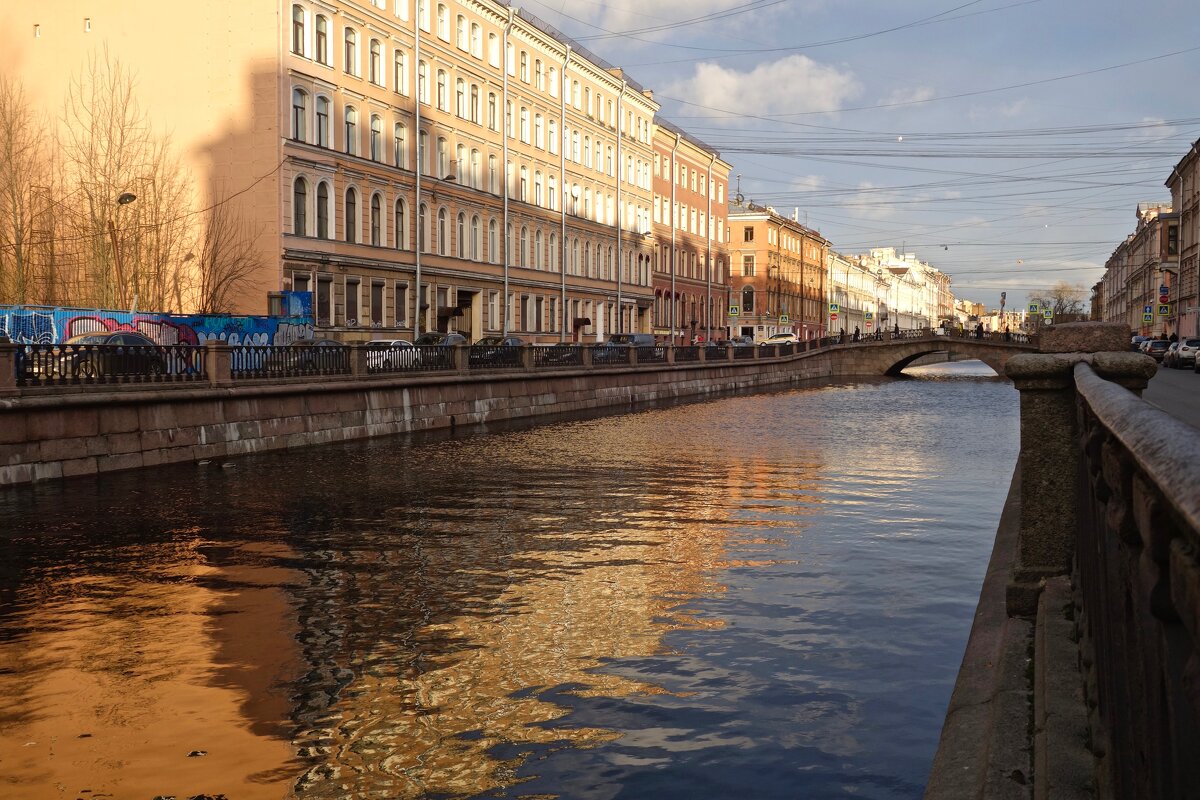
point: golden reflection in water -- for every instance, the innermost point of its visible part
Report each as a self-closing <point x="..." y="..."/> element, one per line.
<point x="118" y="680"/>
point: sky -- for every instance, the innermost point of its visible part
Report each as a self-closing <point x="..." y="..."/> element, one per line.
<point x="1005" y="142"/>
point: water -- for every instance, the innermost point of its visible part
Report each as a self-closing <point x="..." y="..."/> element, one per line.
<point x="760" y="596"/>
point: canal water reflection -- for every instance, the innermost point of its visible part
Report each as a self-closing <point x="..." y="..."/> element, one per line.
<point x="759" y="596"/>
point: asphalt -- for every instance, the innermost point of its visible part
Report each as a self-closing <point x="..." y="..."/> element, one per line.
<point x="1177" y="392"/>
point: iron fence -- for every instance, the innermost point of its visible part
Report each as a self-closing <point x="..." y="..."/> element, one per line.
<point x="382" y="359"/>
<point x="557" y="355"/>
<point x="606" y="354"/>
<point x="494" y="357"/>
<point x="652" y="355"/>
<point x="285" y="361"/>
<point x="95" y="364"/>
<point x="743" y="352"/>
<point x="685" y="354"/>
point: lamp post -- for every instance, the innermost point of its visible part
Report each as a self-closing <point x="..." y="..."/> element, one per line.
<point x="123" y="199"/>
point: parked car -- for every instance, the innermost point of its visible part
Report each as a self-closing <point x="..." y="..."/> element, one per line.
<point x="1157" y="348"/>
<point x="386" y="354"/>
<point x="742" y="341"/>
<point x="432" y="338"/>
<point x="434" y="349"/>
<point x="1169" y="357"/>
<point x="1135" y="343"/>
<point x="609" y="351"/>
<point x="562" y="354"/>
<point x="780" y="338"/>
<point x="1187" y="353"/>
<point x="323" y="354"/>
<point x="497" y="351"/>
<point x="124" y="353"/>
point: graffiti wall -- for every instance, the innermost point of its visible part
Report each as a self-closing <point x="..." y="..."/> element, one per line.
<point x="42" y="325"/>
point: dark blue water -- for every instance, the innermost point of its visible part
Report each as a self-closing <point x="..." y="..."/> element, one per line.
<point x="761" y="596"/>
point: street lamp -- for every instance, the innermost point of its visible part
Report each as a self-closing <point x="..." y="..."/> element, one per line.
<point x="123" y="199"/>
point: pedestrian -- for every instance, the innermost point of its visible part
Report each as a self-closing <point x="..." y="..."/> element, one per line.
<point x="1007" y="334"/>
<point x="1174" y="336"/>
<point x="896" y="330"/>
<point x="841" y="335"/>
<point x="856" y="333"/>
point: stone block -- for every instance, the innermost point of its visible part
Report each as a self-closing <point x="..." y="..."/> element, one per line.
<point x="118" y="419"/>
<point x="79" y="466"/>
<point x="13" y="427"/>
<point x="63" y="449"/>
<point x="1085" y="337"/>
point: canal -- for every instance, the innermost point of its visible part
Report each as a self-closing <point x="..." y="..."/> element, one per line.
<point x="762" y="596"/>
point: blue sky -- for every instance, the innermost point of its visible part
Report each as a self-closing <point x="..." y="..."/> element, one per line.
<point x="948" y="128"/>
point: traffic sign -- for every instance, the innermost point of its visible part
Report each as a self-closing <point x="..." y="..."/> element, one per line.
<point x="1164" y="289"/>
<point x="869" y="323"/>
<point x="834" y="308"/>
<point x="735" y="311"/>
<point x="1048" y="314"/>
<point x="1034" y="308"/>
<point x="1147" y="309"/>
<point x="1147" y="318"/>
<point x="868" y="315"/>
<point x="784" y="319"/>
<point x="1164" y="310"/>
<point x="833" y="317"/>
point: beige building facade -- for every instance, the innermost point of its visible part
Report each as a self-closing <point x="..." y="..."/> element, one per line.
<point x="380" y="144"/>
<point x="779" y="277"/>
<point x="1185" y="199"/>
<point x="691" y="289"/>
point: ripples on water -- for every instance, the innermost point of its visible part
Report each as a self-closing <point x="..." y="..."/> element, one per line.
<point x="761" y="596"/>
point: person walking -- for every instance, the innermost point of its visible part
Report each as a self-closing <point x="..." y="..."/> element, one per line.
<point x="856" y="333"/>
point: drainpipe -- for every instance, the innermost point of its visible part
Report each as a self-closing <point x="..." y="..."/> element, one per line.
<point x="674" y="225"/>
<point x="420" y="169"/>
<point x="504" y="167"/>
<point x="562" y="188"/>
<point x="708" y="265"/>
<point x="620" y="166"/>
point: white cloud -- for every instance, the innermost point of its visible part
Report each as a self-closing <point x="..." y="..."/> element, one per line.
<point x="1003" y="111"/>
<point x="917" y="94"/>
<point x="792" y="84"/>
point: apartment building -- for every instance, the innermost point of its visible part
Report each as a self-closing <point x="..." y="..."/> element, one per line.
<point x="1139" y="268"/>
<point x="779" y="276"/>
<point x="378" y="145"/>
<point x="1185" y="200"/>
<point x="691" y="289"/>
<point x="857" y="291"/>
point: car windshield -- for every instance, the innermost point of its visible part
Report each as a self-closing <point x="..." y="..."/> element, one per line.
<point x="620" y="338"/>
<point x="1192" y="343"/>
<point x="490" y="341"/>
<point x="1158" y="345"/>
<point x="94" y="338"/>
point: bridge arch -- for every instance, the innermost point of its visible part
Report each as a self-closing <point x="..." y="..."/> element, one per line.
<point x="891" y="356"/>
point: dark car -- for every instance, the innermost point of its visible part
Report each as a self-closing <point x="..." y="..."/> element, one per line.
<point x="92" y="355"/>
<point x="327" y="355"/>
<point x="742" y="341"/>
<point x="435" y="338"/>
<point x="497" y="351"/>
<point x="561" y="354"/>
<point x="434" y="349"/>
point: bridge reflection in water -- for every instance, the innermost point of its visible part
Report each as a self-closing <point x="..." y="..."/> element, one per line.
<point x="763" y="595"/>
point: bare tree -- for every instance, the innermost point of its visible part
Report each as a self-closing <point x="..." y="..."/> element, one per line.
<point x="26" y="186"/>
<point x="130" y="251"/>
<point x="227" y="261"/>
<point x="1064" y="299"/>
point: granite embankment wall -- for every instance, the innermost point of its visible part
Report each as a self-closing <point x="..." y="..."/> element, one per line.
<point x="48" y="433"/>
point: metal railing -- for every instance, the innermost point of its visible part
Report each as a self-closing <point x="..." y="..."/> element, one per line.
<point x="607" y="355"/>
<point x="684" y="355"/>
<point x="557" y="355"/>
<point x="105" y="364"/>
<point x="494" y="357"/>
<point x="288" y="361"/>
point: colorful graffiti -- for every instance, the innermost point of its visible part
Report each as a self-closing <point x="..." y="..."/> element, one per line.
<point x="41" y="325"/>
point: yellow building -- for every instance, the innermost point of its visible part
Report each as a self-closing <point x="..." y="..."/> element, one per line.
<point x="778" y="275"/>
<point x="369" y="142"/>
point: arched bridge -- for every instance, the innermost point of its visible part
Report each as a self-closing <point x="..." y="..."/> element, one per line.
<point x="889" y="353"/>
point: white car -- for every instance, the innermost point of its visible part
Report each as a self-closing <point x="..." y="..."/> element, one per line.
<point x="780" y="338"/>
<point x="384" y="355"/>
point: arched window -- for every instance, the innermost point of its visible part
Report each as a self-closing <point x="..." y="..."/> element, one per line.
<point x="423" y="228"/>
<point x="322" y="126"/>
<point x="443" y="90"/>
<point x="351" y="131"/>
<point x="587" y="258"/>
<point x="375" y="65"/>
<point x="423" y="82"/>
<point x="400" y="145"/>
<point x="476" y="238"/>
<point x="524" y="246"/>
<point x="323" y="231"/>
<point x="476" y="40"/>
<point x="523" y="193"/>
<point x="476" y="170"/>
<point x="400" y="224"/>
<point x="300" y="207"/>
<point x="460" y="98"/>
<point x="461" y="239"/>
<point x="351" y="52"/>
<point x="298" y="30"/>
<point x="552" y="253"/>
<point x="400" y="72"/>
<point x="299" y="115"/>
<point x="538" y="254"/>
<point x="376" y="220"/>
<point x="493" y="243"/>
<point x="539" y="131"/>
<point x="475" y="103"/>
<point x="351" y="215"/>
<point x="443" y="232"/>
<point x="537" y="187"/>
<point x="443" y="22"/>
<point x="463" y="43"/>
<point x="748" y="300"/>
<point x="376" y="138"/>
<point x="322" y="49"/>
<point x="493" y="121"/>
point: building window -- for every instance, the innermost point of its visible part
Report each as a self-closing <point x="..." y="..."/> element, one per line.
<point x="377" y="304"/>
<point x="322" y="27"/>
<point x="400" y="68"/>
<point x="423" y="228"/>
<point x="476" y="238"/>
<point x="525" y="66"/>
<point x="460" y="98"/>
<point x="400" y="145"/>
<point x="461" y="236"/>
<point x="400" y="223"/>
<point x="376" y="63"/>
<point x="463" y="43"/>
<point x="353" y="295"/>
<point x="443" y="22"/>
<point x="298" y="30"/>
<point x="299" y="114"/>
<point x="401" y="304"/>
<point x="324" y="300"/>
<point x="323" y="211"/>
<point x="300" y="207"/>
<point x="748" y="234"/>
<point x="493" y="243"/>
<point x="423" y="152"/>
<point x="539" y="75"/>
<point x="351" y="131"/>
<point x="376" y="138"/>
<point x="443" y="90"/>
<point x="748" y="266"/>
<point x="351" y="215"/>
<point x="493" y="49"/>
<point x="443" y="232"/>
<point x="376" y="220"/>
<point x="351" y="54"/>
<point x="476" y="40"/>
<point x="475" y="103"/>
<point x="322" y="121"/>
<point x="493" y="122"/>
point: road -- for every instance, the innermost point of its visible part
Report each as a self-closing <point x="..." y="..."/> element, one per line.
<point x="1177" y="392"/>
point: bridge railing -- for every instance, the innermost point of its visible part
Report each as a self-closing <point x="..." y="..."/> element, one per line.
<point x="72" y="364"/>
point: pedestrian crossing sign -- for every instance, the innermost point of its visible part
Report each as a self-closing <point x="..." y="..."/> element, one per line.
<point x="834" y="308"/>
<point x="784" y="319"/>
<point x="1034" y="308"/>
<point x="735" y="311"/>
<point x="868" y="315"/>
<point x="1147" y="318"/>
<point x="1164" y="309"/>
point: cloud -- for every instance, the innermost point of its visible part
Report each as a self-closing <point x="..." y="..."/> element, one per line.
<point x="917" y="94"/>
<point x="1003" y="111"/>
<point x="789" y="85"/>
